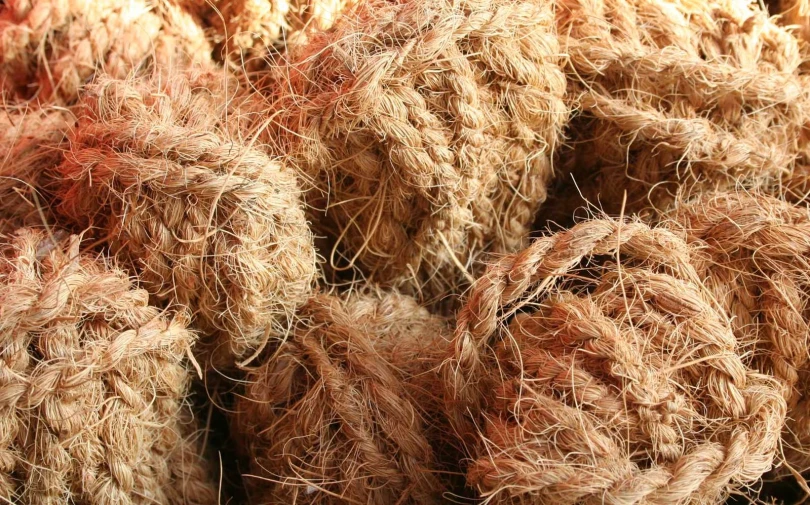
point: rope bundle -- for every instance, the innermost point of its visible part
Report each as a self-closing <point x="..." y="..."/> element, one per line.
<point x="677" y="97"/>
<point x="612" y="362"/>
<point x="92" y="385"/>
<point x="209" y="221"/>
<point x="428" y="129"/>
<point x="755" y="260"/>
<point x="50" y="48"/>
<point x="603" y="371"/>
<point x="337" y="414"/>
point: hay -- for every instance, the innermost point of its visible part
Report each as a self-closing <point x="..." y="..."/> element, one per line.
<point x="159" y="169"/>
<point x="427" y="128"/>
<point x="92" y="385"/>
<point x="50" y="48"/>
<point x="337" y="414"/>
<point x="29" y="145"/>
<point x="678" y="97"/>
<point x="602" y="371"/>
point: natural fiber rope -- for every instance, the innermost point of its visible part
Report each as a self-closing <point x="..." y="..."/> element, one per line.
<point x="618" y="379"/>
<point x="677" y="97"/>
<point x="795" y="186"/>
<point x="92" y="385"/>
<point x="160" y="169"/>
<point x="428" y="129"/>
<point x="30" y="141"/>
<point x="50" y="48"/>
<point x="755" y="259"/>
<point x="247" y="31"/>
<point x="795" y="14"/>
<point x="331" y="416"/>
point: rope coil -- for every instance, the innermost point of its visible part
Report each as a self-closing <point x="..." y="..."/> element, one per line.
<point x="594" y="366"/>
<point x="209" y="221"/>
<point x="92" y="384"/>
<point x="337" y="412"/>
<point x="428" y="130"/>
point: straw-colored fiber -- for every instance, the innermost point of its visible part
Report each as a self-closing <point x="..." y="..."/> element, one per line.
<point x="754" y="256"/>
<point x="337" y="416"/>
<point x="50" y="48"/>
<point x="795" y="185"/>
<point x="598" y="369"/>
<point x="30" y="144"/>
<point x="428" y="128"/>
<point x="795" y="14"/>
<point x="92" y="384"/>
<point x="248" y="31"/>
<point x="160" y="170"/>
<point x="677" y="97"/>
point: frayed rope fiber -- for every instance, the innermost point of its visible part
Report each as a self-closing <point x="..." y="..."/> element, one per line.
<point x="600" y="370"/>
<point x="753" y="254"/>
<point x="208" y="154"/>
<point x="92" y="384"/>
<point x="338" y="416"/>
<point x="248" y="32"/>
<point x="30" y="144"/>
<point x="795" y="15"/>
<point x="678" y="97"/>
<point x="427" y="128"/>
<point x="160" y="170"/>
<point x="50" y="48"/>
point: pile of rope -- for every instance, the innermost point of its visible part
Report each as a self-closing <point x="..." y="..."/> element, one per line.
<point x="333" y="210"/>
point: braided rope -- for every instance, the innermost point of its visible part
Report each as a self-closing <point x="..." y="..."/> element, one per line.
<point x="60" y="44"/>
<point x="333" y="413"/>
<point x="209" y="221"/>
<point x="616" y="376"/>
<point x="92" y="384"/>
<point x="678" y="97"/>
<point x="427" y="129"/>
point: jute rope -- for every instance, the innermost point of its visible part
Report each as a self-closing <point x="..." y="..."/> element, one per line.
<point x="30" y="143"/>
<point x="160" y="170"/>
<point x="50" y="48"/>
<point x="677" y="98"/>
<point x="794" y="14"/>
<point x="92" y="384"/>
<point x="336" y="415"/>
<point x="427" y="128"/>
<point x="249" y="32"/>
<point x="595" y="367"/>
<point x="754" y="256"/>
